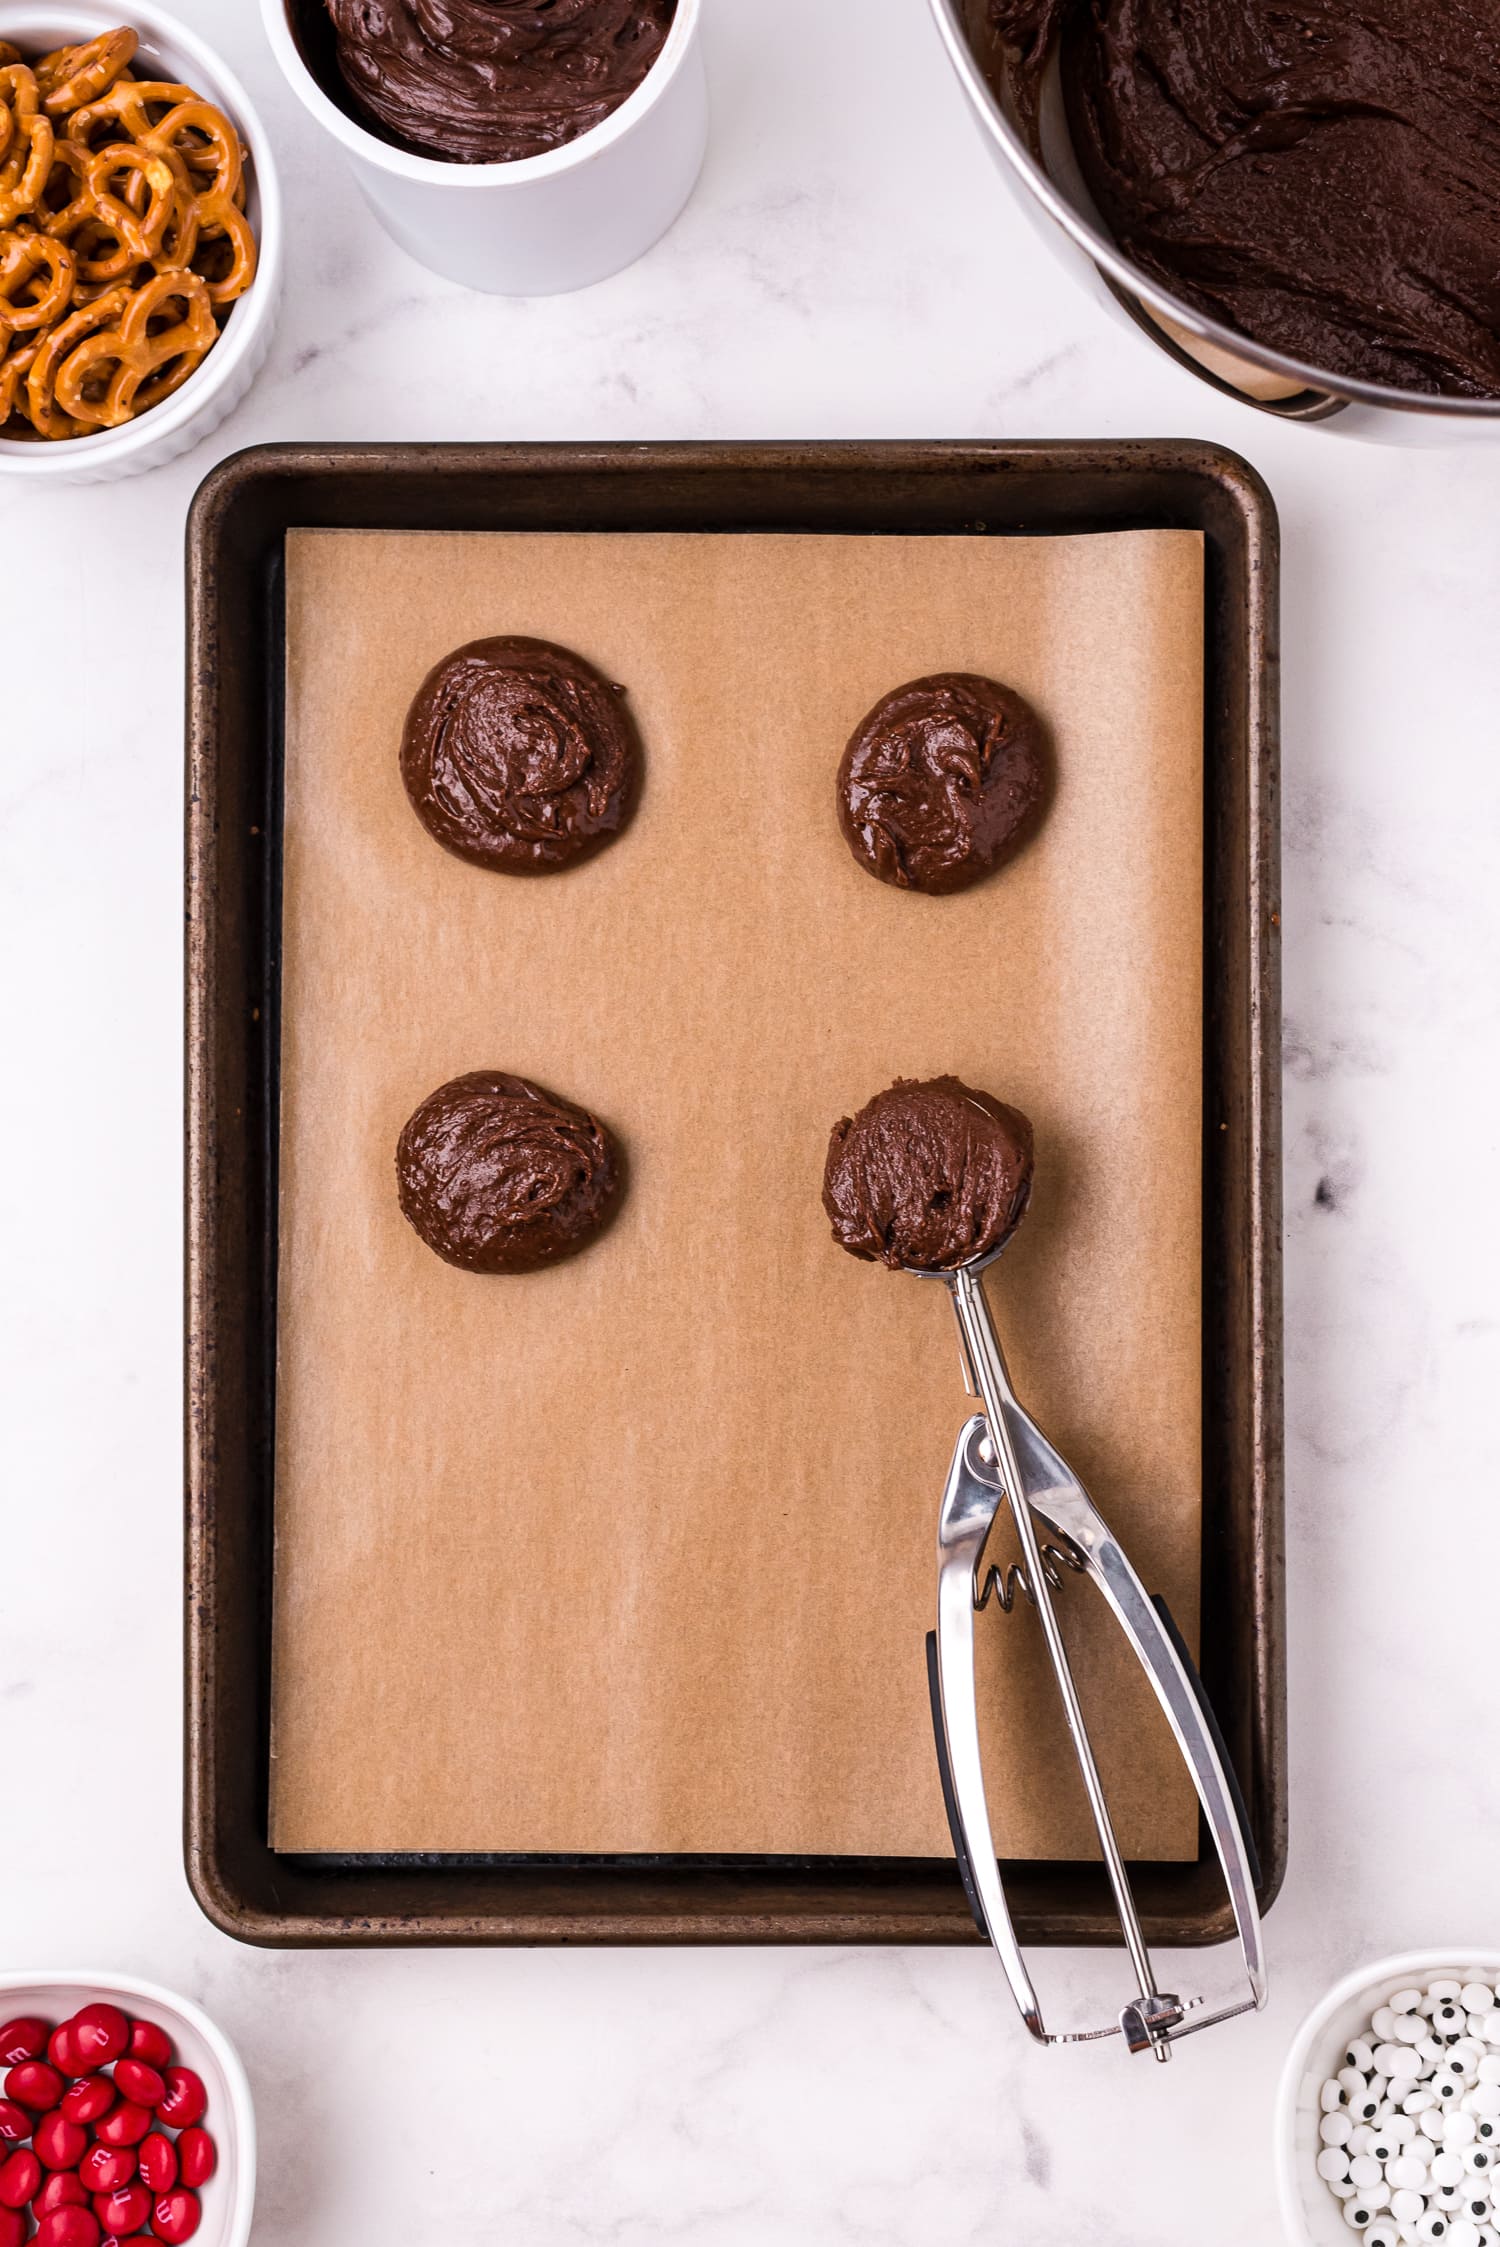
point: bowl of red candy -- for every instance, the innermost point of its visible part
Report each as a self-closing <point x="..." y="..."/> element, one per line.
<point x="125" y="2116"/>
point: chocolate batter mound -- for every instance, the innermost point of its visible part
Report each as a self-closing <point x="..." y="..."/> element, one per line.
<point x="517" y="755"/>
<point x="928" y="1175"/>
<point x="499" y="1176"/>
<point x="487" y="81"/>
<point x="1323" y="175"/>
<point x="942" y="782"/>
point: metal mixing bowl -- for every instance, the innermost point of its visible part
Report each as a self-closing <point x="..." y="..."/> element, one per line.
<point x="1051" y="190"/>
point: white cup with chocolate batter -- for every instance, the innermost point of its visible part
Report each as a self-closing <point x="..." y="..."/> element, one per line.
<point x="526" y="157"/>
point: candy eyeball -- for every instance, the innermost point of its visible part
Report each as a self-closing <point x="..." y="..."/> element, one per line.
<point x="1409" y="2126"/>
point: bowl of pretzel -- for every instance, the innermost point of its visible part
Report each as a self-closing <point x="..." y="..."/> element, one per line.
<point x="140" y="240"/>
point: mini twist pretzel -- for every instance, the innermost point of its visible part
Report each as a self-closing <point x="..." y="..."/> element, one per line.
<point x="72" y="76"/>
<point x="28" y="144"/>
<point x="8" y="54"/>
<point x="14" y="365"/>
<point x="202" y="144"/>
<point x="47" y="355"/>
<point x="132" y="222"/>
<point x="126" y="109"/>
<point x="127" y="367"/>
<point x="36" y="283"/>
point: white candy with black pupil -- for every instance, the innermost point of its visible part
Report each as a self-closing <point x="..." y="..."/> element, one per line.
<point x="1411" y="2122"/>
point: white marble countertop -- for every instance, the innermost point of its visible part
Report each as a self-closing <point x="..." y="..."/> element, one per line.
<point x="848" y="267"/>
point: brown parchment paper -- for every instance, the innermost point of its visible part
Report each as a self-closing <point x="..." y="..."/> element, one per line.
<point x="638" y="1554"/>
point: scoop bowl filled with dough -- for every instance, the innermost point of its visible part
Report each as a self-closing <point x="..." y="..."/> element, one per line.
<point x="1403" y="363"/>
<point x="530" y="214"/>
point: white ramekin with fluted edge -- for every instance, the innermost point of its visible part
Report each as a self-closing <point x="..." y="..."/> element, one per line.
<point x="543" y="224"/>
<point x="1310" y="2214"/>
<point x="169" y="50"/>
<point x="228" y="2199"/>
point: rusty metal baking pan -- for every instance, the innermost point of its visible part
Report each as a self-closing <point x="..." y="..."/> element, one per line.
<point x="235" y="658"/>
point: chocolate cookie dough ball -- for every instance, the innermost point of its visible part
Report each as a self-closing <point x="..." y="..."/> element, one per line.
<point x="499" y="1176"/>
<point x="943" y="781"/>
<point x="517" y="755"/>
<point x="928" y="1176"/>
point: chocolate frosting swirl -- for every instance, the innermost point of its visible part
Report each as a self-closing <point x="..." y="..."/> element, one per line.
<point x="1323" y="175"/>
<point x="518" y="755"/>
<point x="943" y="781"/>
<point x="488" y="81"/>
<point x="498" y="1175"/>
<point x="928" y="1176"/>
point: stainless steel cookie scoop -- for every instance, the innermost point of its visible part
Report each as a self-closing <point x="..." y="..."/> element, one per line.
<point x="1002" y="1457"/>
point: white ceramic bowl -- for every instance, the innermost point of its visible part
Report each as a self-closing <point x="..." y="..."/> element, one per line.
<point x="544" y="223"/>
<point x="229" y="2196"/>
<point x="169" y="50"/>
<point x="1309" y="2212"/>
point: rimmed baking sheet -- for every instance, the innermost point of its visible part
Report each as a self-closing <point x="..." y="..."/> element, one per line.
<point x="1154" y="927"/>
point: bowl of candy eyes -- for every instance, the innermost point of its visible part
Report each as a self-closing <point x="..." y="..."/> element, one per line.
<point x="140" y="239"/>
<point x="124" y="2115"/>
<point x="1388" y="2112"/>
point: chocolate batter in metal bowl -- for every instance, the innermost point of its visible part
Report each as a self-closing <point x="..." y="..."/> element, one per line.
<point x="1298" y="203"/>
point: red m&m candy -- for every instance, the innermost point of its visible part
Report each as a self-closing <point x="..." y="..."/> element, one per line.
<point x="107" y="2168"/>
<point x="68" y="2227"/>
<point x="33" y="2084"/>
<point x="62" y="2190"/>
<point x="197" y="2156"/>
<point x="140" y="2082"/>
<point x="20" y="2177"/>
<point x="122" y="2214"/>
<point x="59" y="2143"/>
<point x="186" y="2100"/>
<point x="99" y="2034"/>
<point x="88" y="2098"/>
<point x="149" y="2043"/>
<point x="157" y="2157"/>
<point x="124" y="2125"/>
<point x="176" y="2216"/>
<point x="24" y="2038"/>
